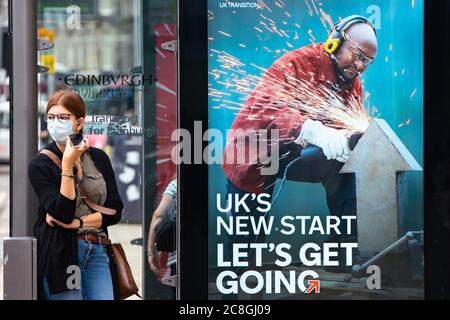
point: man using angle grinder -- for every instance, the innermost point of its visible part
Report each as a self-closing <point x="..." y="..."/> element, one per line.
<point x="334" y="67"/>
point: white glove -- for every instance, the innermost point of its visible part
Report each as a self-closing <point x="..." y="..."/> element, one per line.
<point x="333" y="142"/>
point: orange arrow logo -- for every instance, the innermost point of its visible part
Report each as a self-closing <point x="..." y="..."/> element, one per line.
<point x="314" y="285"/>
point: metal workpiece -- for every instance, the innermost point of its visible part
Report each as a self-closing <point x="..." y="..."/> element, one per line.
<point x="357" y="269"/>
<point x="379" y="162"/>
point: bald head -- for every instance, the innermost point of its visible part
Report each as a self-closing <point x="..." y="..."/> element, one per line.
<point x="360" y="45"/>
<point x="363" y="36"/>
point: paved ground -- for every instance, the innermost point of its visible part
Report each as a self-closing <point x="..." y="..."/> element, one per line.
<point x="122" y="233"/>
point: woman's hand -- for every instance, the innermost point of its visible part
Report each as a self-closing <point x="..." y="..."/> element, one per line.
<point x="75" y="224"/>
<point x="72" y="153"/>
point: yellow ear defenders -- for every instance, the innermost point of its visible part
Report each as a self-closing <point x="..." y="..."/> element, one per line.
<point x="334" y="40"/>
<point x="331" y="45"/>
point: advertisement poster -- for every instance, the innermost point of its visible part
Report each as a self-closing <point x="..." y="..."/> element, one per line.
<point x="315" y="149"/>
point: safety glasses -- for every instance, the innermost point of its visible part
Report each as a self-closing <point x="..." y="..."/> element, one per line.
<point x="357" y="53"/>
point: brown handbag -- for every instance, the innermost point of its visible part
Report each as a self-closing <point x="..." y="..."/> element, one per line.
<point x="123" y="281"/>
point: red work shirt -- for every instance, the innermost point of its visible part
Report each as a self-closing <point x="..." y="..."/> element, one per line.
<point x="263" y="110"/>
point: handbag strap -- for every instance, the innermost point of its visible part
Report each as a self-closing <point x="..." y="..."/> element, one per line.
<point x="91" y="204"/>
<point x="53" y="157"/>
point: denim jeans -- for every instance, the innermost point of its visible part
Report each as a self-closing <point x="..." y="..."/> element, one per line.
<point x="96" y="281"/>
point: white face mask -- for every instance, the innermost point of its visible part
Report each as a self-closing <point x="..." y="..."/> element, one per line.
<point x="60" y="131"/>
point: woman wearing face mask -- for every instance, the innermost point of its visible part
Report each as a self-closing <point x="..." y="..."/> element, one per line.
<point x="72" y="237"/>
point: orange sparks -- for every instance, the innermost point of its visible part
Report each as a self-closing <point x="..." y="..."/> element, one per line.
<point x="316" y="100"/>
<point x="225" y="34"/>
<point x="310" y="32"/>
<point x="327" y="18"/>
<point x="315" y="8"/>
<point x="263" y="4"/>
<point x="309" y="8"/>
<point x="406" y="123"/>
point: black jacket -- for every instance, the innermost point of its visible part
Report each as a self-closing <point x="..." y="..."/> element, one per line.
<point x="57" y="247"/>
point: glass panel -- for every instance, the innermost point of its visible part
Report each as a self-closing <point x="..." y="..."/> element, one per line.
<point x="160" y="118"/>
<point x="5" y="66"/>
<point x="94" y="53"/>
<point x="109" y="52"/>
<point x="5" y="69"/>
